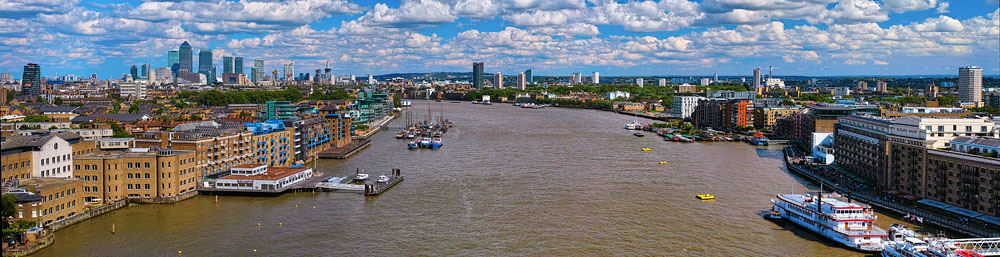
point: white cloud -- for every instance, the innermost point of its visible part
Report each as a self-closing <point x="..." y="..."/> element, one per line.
<point x="855" y="11"/>
<point x="908" y="5"/>
<point x="943" y="7"/>
<point x="410" y="13"/>
<point x="880" y="62"/>
<point x="940" y="24"/>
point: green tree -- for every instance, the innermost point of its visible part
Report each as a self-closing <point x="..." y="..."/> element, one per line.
<point x="119" y="131"/>
<point x="946" y="100"/>
<point x="40" y="99"/>
<point x="57" y="101"/>
<point x="9" y="205"/>
<point x="36" y="118"/>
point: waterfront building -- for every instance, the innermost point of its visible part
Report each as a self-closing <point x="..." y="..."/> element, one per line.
<point x="798" y="126"/>
<point x="965" y="180"/>
<point x="709" y="113"/>
<point x="765" y="117"/>
<point x="970" y="85"/>
<point x="48" y="200"/>
<point x="739" y="113"/>
<point x="218" y="145"/>
<point x="684" y="106"/>
<point x="341" y="124"/>
<point x="370" y="106"/>
<point x="47" y="155"/>
<point x="261" y="177"/>
<point x="823" y="148"/>
<point x="938" y="131"/>
<point x="31" y="80"/>
<point x="272" y="143"/>
<point x="477" y="75"/>
<point x="312" y="136"/>
<point x="136" y="173"/>
<point x="861" y="146"/>
<point x="825" y="115"/>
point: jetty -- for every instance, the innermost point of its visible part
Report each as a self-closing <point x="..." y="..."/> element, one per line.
<point x="368" y="188"/>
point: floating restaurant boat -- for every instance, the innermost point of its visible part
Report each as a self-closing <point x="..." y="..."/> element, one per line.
<point x="705" y="197"/>
<point x="846" y="223"/>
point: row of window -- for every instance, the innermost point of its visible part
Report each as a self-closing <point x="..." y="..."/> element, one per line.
<point x="55" y="209"/>
<point x="59" y="195"/>
<point x="55" y="159"/>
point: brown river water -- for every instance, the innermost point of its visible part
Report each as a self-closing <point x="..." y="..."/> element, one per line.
<point x="508" y="182"/>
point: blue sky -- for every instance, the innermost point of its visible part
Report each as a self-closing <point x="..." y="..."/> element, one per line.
<point x="552" y="37"/>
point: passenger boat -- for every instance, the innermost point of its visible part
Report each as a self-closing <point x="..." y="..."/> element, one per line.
<point x="425" y="142"/>
<point x="638" y="134"/>
<point x="846" y="223"/>
<point x="705" y="197"/>
<point x="758" y="139"/>
<point x="436" y="142"/>
<point x="413" y="145"/>
<point x="634" y="125"/>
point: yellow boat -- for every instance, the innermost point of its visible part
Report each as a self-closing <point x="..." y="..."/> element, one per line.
<point x="705" y="197"/>
<point x="663" y="162"/>
<point x="646" y="149"/>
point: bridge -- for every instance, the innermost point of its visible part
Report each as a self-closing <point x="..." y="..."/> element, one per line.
<point x="339" y="186"/>
<point x="982" y="246"/>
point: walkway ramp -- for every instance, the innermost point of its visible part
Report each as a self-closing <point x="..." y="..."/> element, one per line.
<point x="339" y="186"/>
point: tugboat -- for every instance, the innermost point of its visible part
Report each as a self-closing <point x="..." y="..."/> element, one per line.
<point x="846" y="223"/>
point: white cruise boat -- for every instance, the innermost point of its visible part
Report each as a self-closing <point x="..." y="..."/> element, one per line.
<point x="849" y="224"/>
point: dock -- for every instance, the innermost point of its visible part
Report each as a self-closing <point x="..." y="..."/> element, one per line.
<point x="305" y="185"/>
<point x="345" y="151"/>
<point x="368" y="189"/>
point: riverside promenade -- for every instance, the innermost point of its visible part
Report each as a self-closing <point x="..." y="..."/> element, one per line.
<point x="836" y="179"/>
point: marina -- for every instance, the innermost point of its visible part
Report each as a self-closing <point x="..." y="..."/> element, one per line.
<point x="496" y="206"/>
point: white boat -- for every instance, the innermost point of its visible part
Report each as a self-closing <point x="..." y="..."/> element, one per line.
<point x="361" y="176"/>
<point x="383" y="179"/>
<point x="844" y="222"/>
<point x="903" y="242"/>
<point x="634" y="125"/>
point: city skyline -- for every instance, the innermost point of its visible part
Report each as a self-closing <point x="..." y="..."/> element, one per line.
<point x="554" y="38"/>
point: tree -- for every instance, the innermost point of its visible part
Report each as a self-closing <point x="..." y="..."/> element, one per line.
<point x="119" y="131"/>
<point x="40" y="99"/>
<point x="57" y="101"/>
<point x="946" y="100"/>
<point x="36" y="118"/>
<point x="9" y="205"/>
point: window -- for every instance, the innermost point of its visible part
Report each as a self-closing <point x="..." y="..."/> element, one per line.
<point x="147" y="165"/>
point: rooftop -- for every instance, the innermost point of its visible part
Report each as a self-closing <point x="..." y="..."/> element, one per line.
<point x="42" y="184"/>
<point x="270" y="174"/>
<point x="985" y="141"/>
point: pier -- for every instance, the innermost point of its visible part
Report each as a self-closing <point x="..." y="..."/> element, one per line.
<point x="302" y="186"/>
<point x="368" y="189"/>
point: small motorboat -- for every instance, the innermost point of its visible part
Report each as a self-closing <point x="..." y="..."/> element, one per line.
<point x="412" y="145"/>
<point x="663" y="162"/>
<point x="644" y="149"/>
<point x="361" y="177"/>
<point x="705" y="197"/>
<point x="425" y="142"/>
<point x="638" y="134"/>
<point x="401" y="134"/>
<point x="383" y="179"/>
<point x="436" y="143"/>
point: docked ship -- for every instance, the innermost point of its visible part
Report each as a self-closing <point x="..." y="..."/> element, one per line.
<point x="844" y="222"/>
<point x="634" y="125"/>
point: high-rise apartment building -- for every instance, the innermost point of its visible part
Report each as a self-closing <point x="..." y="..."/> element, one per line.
<point x="205" y="64"/>
<point x="238" y="65"/>
<point x="521" y="81"/>
<point x="596" y="78"/>
<point x="970" y="85"/>
<point x="498" y="80"/>
<point x="289" y="70"/>
<point x="227" y="64"/>
<point x="477" y="75"/>
<point x="756" y="79"/>
<point x="258" y="71"/>
<point x="31" y="80"/>
<point x="186" y="57"/>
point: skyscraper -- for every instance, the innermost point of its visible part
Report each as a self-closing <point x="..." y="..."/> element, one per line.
<point x="477" y="75"/>
<point x="521" y="81"/>
<point x="31" y="80"/>
<point x="238" y="65"/>
<point x="498" y="80"/>
<point x="134" y="71"/>
<point x="205" y="63"/>
<point x="258" y="75"/>
<point x="227" y="64"/>
<point x="756" y="79"/>
<point x="289" y="70"/>
<point x="639" y="82"/>
<point x="529" y="77"/>
<point x="185" y="57"/>
<point x="174" y="60"/>
<point x="970" y="85"/>
<point x="211" y="79"/>
<point x="596" y="78"/>
<point x="371" y="79"/>
<point x="145" y="70"/>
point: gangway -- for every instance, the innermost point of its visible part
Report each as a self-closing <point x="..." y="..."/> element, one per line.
<point x="982" y="246"/>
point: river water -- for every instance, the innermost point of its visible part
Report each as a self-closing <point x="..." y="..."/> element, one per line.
<point x="508" y="182"/>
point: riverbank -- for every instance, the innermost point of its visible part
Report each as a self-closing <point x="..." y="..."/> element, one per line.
<point x="836" y="179"/>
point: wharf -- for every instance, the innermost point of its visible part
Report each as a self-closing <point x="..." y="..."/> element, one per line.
<point x="381" y="124"/>
<point x="368" y="189"/>
<point x="950" y="221"/>
<point x="305" y="185"/>
<point x="345" y="151"/>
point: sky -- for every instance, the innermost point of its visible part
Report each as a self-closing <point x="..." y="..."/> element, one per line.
<point x="552" y="37"/>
